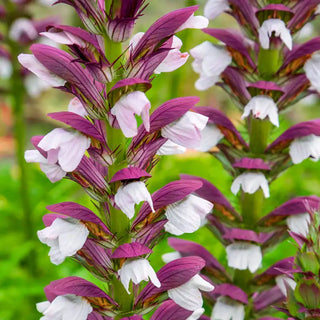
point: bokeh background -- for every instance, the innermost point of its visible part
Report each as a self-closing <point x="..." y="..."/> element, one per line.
<point x="24" y="264"/>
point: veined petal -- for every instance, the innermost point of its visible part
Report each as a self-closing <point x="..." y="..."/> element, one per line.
<point x="299" y="223"/>
<point x="137" y="270"/>
<point x="305" y="147"/>
<point x="30" y="62"/>
<point x="129" y="195"/>
<point x="214" y="8"/>
<point x="227" y="309"/>
<point x="169" y="148"/>
<point x="244" y="255"/>
<point x="194" y="22"/>
<point x="210" y="136"/>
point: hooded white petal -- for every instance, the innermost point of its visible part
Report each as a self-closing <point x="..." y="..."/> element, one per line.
<point x="194" y="22"/>
<point x="250" y="182"/>
<point x="187" y="215"/>
<point x="299" y="223"/>
<point x="68" y="306"/>
<point x="20" y="27"/>
<point x="137" y="270"/>
<point x="305" y="147"/>
<point x="277" y="28"/>
<point x="30" y="62"/>
<point x="312" y="70"/>
<point x="125" y="109"/>
<point x="188" y="295"/>
<point x="282" y="281"/>
<point x="214" y="8"/>
<point x="170" y="256"/>
<point x="186" y="131"/>
<point x="65" y="237"/>
<point x="66" y="147"/>
<point x="77" y="107"/>
<point x="196" y="314"/>
<point x="129" y="195"/>
<point x="244" y="255"/>
<point x="210" y="136"/>
<point x="262" y="107"/>
<point x="227" y="309"/>
<point x="169" y="148"/>
<point x="5" y="68"/>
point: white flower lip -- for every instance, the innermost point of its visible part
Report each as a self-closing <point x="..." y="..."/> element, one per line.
<point x="262" y="107"/>
<point x="244" y="255"/>
<point x="65" y="237"/>
<point x="305" y="147"/>
<point x="276" y="27"/>
<point x="250" y="182"/>
<point x="187" y="215"/>
<point x="299" y="223"/>
<point x="312" y="70"/>
<point x="213" y="8"/>
<point x="284" y="280"/>
<point x="137" y="270"/>
<point x="68" y="306"/>
<point x="188" y="295"/>
<point x="129" y="195"/>
<point x="225" y="309"/>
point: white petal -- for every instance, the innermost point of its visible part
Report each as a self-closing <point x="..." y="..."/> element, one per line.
<point x="194" y="22"/>
<point x="76" y="106"/>
<point x="42" y="306"/>
<point x="205" y="82"/>
<point x="169" y="148"/>
<point x="244" y="255"/>
<point x="281" y="282"/>
<point x="305" y="147"/>
<point x="196" y="314"/>
<point x="312" y="70"/>
<point x="129" y="195"/>
<point x="34" y="156"/>
<point x="135" y="40"/>
<point x="53" y="172"/>
<point x="5" y="68"/>
<point x="22" y="26"/>
<point x="186" y="131"/>
<point x="210" y="136"/>
<point x="262" y="107"/>
<point x="227" y="309"/>
<point x="34" y="85"/>
<point x="250" y="182"/>
<point x="137" y="270"/>
<point x="64" y="37"/>
<point x="30" y="62"/>
<point x="214" y="8"/>
<point x="299" y="223"/>
<point x="170" y="256"/>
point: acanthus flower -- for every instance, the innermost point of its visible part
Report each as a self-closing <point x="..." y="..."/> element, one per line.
<point x="226" y="308"/>
<point x="304" y="148"/>
<point x="214" y="8"/>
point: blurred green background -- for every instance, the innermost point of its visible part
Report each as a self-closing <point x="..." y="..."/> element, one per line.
<point x="24" y="264"/>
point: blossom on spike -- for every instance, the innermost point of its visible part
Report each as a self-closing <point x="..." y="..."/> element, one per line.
<point x="186" y="131"/>
<point x="305" y="147"/>
<point x="210" y="61"/>
<point x="175" y="58"/>
<point x="244" y="255"/>
<point x="210" y="136"/>
<point x="299" y="223"/>
<point x="277" y="28"/>
<point x="262" y="107"/>
<point x="250" y="182"/>
<point x="196" y="314"/>
<point x="65" y="237"/>
<point x="226" y="308"/>
<point x="169" y="148"/>
<point x="63" y="37"/>
<point x="312" y="70"/>
<point x="188" y="295"/>
<point x="130" y="194"/>
<point x="22" y="28"/>
<point x="137" y="270"/>
<point x="170" y="256"/>
<point x="187" y="215"/>
<point x="282" y="281"/>
<point x="194" y="22"/>
<point x="76" y="106"/>
<point x="68" y="306"/>
<point x="214" y="8"/>
<point x="125" y="109"/>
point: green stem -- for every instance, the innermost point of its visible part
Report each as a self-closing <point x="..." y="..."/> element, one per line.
<point x="269" y="62"/>
<point x="251" y="207"/>
<point x="119" y="225"/>
<point x="242" y="279"/>
<point x="259" y="133"/>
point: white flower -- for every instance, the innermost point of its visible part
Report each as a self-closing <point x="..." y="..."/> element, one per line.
<point x="20" y="27"/>
<point x="174" y="59"/>
<point x="125" y="109"/>
<point x="299" y="223"/>
<point x="281" y="282"/>
<point x="77" y="107"/>
<point x="63" y="37"/>
<point x="65" y="147"/>
<point x="244" y="255"/>
<point x="129" y="195"/>
<point x="169" y="148"/>
<point x="187" y="215"/>
<point x="30" y="62"/>
<point x="53" y="171"/>
<point x="210" y="61"/>
<point x="196" y="314"/>
<point x="34" y="85"/>
<point x="210" y="136"/>
<point x="186" y="131"/>
<point x="137" y="270"/>
<point x="277" y="28"/>
<point x="214" y="8"/>
<point x="312" y="70"/>
<point x="5" y="68"/>
<point x="262" y="107"/>
<point x="188" y="295"/>
<point x="170" y="256"/>
<point x="227" y="309"/>
<point x="194" y="22"/>
<point x="305" y="147"/>
<point x="65" y="237"/>
<point x="250" y="182"/>
<point x="68" y="306"/>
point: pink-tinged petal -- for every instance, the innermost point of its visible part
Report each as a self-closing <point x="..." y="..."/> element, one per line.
<point x="267" y="298"/>
<point x="64" y="37"/>
<point x="251" y="163"/>
<point x="30" y="62"/>
<point x="77" y="107"/>
<point x="214" y="8"/>
<point x="170" y="311"/>
<point x="169" y="148"/>
<point x="130" y="173"/>
<point x="194" y="22"/>
<point x="130" y="250"/>
<point x="231" y="291"/>
<point x="22" y="28"/>
<point x="53" y="171"/>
